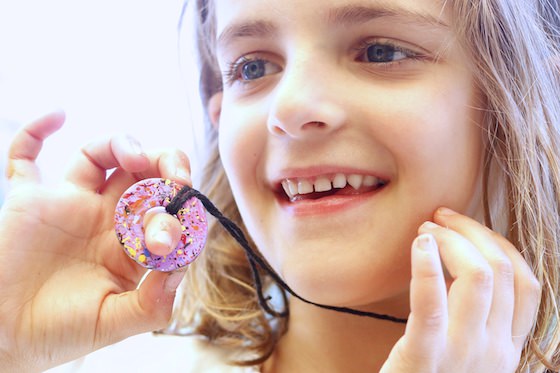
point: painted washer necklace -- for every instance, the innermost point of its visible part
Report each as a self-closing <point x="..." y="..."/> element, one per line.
<point x="188" y="205"/>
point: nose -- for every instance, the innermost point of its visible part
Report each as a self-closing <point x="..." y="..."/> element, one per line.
<point x="306" y="103"/>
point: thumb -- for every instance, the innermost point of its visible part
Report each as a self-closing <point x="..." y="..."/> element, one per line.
<point x="162" y="231"/>
<point x="145" y="309"/>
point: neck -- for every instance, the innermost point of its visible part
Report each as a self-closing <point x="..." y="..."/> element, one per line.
<point x="328" y="341"/>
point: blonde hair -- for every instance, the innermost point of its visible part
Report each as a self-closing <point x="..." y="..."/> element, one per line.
<point x="515" y="49"/>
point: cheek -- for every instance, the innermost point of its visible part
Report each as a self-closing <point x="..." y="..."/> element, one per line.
<point x="441" y="150"/>
<point x="242" y="140"/>
<point x="239" y="139"/>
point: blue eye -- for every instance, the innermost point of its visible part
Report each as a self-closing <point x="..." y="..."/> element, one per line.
<point x="253" y="70"/>
<point x="249" y="69"/>
<point x="384" y="53"/>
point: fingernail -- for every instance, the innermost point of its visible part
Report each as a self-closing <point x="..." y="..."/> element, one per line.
<point x="164" y="238"/>
<point x="183" y="174"/>
<point x="445" y="211"/>
<point x="429" y="225"/>
<point x="181" y="170"/>
<point x="148" y="215"/>
<point x="173" y="281"/>
<point x="425" y="242"/>
<point x="135" y="145"/>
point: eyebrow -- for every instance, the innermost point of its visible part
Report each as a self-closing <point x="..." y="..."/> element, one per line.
<point x="357" y="14"/>
<point x="342" y="16"/>
<point x="250" y="29"/>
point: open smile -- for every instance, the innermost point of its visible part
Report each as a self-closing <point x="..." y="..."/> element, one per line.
<point x="339" y="184"/>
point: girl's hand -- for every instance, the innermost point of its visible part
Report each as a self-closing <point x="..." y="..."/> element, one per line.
<point x="67" y="287"/>
<point x="481" y="321"/>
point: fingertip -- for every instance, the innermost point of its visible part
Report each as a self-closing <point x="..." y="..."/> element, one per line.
<point x="183" y="168"/>
<point x="173" y="281"/>
<point x="428" y="227"/>
<point x="444" y="216"/>
<point x="157" y="293"/>
<point x="27" y="144"/>
<point x="162" y="231"/>
<point x="137" y="163"/>
<point x="59" y="116"/>
<point x="135" y="146"/>
<point x="154" y="302"/>
<point x="145" y="309"/>
<point x="47" y="124"/>
<point x="161" y="243"/>
<point x="445" y="211"/>
<point x="182" y="176"/>
<point x="428" y="303"/>
<point x="428" y="289"/>
<point x="129" y="153"/>
<point x="176" y="166"/>
<point x="425" y="242"/>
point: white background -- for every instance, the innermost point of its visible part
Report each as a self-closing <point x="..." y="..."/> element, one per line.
<point x="114" y="66"/>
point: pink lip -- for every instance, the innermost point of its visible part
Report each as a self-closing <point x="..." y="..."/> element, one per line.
<point x="326" y="205"/>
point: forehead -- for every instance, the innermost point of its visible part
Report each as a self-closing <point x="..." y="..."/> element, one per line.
<point x="297" y="13"/>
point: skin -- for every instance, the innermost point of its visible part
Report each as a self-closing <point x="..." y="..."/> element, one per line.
<point x="399" y="122"/>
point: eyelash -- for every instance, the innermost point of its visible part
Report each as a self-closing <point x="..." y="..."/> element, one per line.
<point x="362" y="48"/>
<point x="232" y="72"/>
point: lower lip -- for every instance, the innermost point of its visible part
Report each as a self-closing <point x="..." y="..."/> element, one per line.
<point x="327" y="205"/>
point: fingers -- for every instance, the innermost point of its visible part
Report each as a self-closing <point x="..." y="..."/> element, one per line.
<point x="491" y="303"/>
<point x="89" y="169"/>
<point x="470" y="294"/>
<point x="427" y="325"/>
<point x="527" y="294"/>
<point x="172" y="164"/>
<point x="502" y="271"/>
<point x="26" y="146"/>
<point x="516" y="292"/>
<point x="145" y="309"/>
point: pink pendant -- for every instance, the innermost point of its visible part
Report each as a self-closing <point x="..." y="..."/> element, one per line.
<point x="129" y="217"/>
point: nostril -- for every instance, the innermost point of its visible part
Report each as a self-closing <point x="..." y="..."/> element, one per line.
<point x="278" y="131"/>
<point x="314" y="124"/>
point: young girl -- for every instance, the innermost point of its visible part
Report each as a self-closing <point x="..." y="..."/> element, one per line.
<point x="399" y="158"/>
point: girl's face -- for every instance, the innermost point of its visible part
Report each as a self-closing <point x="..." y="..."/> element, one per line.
<point x="344" y="124"/>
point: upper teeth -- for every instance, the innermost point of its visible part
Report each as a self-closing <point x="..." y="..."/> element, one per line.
<point x="293" y="187"/>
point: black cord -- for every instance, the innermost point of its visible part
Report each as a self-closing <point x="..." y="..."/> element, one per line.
<point x="255" y="260"/>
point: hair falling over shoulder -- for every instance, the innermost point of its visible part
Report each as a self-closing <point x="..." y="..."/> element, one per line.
<point x="516" y="50"/>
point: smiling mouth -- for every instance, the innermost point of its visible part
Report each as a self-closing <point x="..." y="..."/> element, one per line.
<point x="299" y="189"/>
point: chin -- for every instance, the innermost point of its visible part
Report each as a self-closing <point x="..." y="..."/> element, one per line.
<point x="351" y="286"/>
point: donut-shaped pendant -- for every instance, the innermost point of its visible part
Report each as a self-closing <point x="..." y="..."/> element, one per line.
<point x="129" y="216"/>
